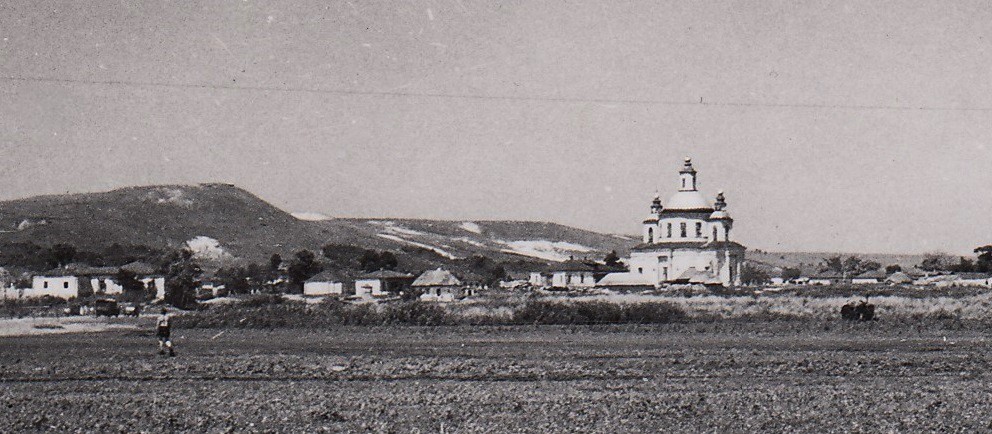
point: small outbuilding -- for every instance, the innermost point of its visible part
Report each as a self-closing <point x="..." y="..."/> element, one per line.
<point x="899" y="278"/>
<point x="826" y="278"/>
<point x="324" y="283"/>
<point x="439" y="285"/>
<point x="869" y="277"/>
<point x="382" y="282"/>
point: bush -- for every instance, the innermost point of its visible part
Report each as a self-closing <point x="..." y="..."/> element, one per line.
<point x="259" y="300"/>
<point x="597" y="312"/>
<point x="417" y="313"/>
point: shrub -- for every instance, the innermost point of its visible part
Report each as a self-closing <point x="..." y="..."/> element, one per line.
<point x="417" y="313"/>
<point x="597" y="312"/>
<point x="259" y="300"/>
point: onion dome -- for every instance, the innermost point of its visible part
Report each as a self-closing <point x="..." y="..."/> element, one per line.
<point x="656" y="204"/>
<point x="719" y="207"/>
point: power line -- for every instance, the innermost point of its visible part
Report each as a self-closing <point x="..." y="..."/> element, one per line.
<point x="349" y="92"/>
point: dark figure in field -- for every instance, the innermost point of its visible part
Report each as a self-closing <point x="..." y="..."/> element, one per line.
<point x="863" y="311"/>
<point x="164" y="330"/>
<point x="848" y="312"/>
<point x="137" y="310"/>
<point x="866" y="311"/>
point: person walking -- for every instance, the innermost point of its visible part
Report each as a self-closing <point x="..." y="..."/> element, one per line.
<point x="164" y="326"/>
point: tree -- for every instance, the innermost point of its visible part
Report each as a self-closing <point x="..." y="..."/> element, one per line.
<point x="133" y="289"/>
<point x="935" y="261"/>
<point x="182" y="277"/>
<point x="275" y="261"/>
<point x="791" y="274"/>
<point x="751" y="275"/>
<point x="834" y="263"/>
<point x="490" y="271"/>
<point x="984" y="262"/>
<point x="303" y="266"/>
<point x="612" y="259"/>
<point x="854" y="266"/>
<point x="894" y="268"/>
<point x="61" y="255"/>
<point x="964" y="265"/>
<point x="372" y="260"/>
<point x="236" y="280"/>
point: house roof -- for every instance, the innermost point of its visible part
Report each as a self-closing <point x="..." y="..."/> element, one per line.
<point x="872" y="274"/>
<point x="829" y="274"/>
<point x="624" y="279"/>
<point x="692" y="275"/>
<point x="972" y="276"/>
<point x="77" y="269"/>
<point x="386" y="274"/>
<point x="899" y="277"/>
<point x="140" y="268"/>
<point x="575" y="265"/>
<point x="327" y="276"/>
<point x="437" y="277"/>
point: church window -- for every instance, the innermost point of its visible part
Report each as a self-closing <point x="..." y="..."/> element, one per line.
<point x="65" y="285"/>
<point x="714" y="233"/>
<point x="699" y="230"/>
<point x="650" y="235"/>
<point x="640" y="270"/>
<point x="669" y="230"/>
<point x="683" y="229"/>
<point x="46" y="285"/>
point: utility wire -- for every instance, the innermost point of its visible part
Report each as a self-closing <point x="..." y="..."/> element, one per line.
<point x="701" y="102"/>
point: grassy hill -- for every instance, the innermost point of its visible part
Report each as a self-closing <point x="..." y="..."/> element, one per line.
<point x="248" y="228"/>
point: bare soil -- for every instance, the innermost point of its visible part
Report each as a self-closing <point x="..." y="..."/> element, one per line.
<point x="716" y="377"/>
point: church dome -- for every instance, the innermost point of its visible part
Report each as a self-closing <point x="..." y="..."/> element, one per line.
<point x="687" y="201"/>
<point x="720" y="215"/>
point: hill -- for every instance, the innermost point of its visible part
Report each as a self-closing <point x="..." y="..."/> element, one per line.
<point x="228" y="222"/>
<point x="809" y="262"/>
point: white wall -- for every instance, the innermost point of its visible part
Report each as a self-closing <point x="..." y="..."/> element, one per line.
<point x="323" y="288"/>
<point x="690" y="229"/>
<point x="56" y="286"/>
<point x="368" y="286"/>
<point x="159" y="285"/>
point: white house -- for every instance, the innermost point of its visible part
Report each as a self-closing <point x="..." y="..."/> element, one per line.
<point x="688" y="233"/>
<point x="826" y="278"/>
<point x="78" y="279"/>
<point x="53" y="285"/>
<point x="869" y="277"/>
<point x="538" y="279"/>
<point x="574" y="274"/>
<point x="382" y="282"/>
<point x="324" y="283"/>
<point x="438" y="285"/>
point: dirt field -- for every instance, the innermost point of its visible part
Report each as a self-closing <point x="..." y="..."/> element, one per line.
<point x="719" y="377"/>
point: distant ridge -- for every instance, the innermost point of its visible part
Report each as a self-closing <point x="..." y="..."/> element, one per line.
<point x="249" y="228"/>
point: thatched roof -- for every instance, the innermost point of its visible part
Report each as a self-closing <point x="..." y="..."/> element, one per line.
<point x="437" y="277"/>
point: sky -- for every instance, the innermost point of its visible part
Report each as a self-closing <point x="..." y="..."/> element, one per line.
<point x="840" y="126"/>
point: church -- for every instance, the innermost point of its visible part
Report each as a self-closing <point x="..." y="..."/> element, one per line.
<point x="685" y="241"/>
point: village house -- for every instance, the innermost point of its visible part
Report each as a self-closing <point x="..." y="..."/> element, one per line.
<point x="382" y="282"/>
<point x="76" y="280"/>
<point x="438" y="285"/>
<point x="538" y="279"/>
<point x="324" y="283"/>
<point x="686" y="233"/>
<point x="869" y="277"/>
<point x="828" y="277"/>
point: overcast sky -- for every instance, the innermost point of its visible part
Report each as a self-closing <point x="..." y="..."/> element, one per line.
<point x="839" y="126"/>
